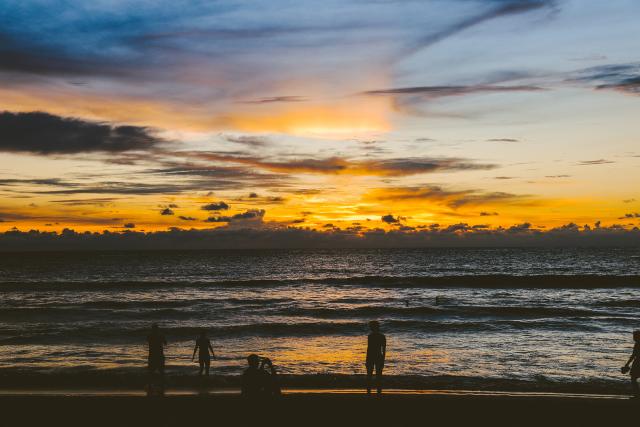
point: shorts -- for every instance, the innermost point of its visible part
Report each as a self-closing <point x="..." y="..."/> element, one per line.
<point x="156" y="363"/>
<point x="377" y="364"/>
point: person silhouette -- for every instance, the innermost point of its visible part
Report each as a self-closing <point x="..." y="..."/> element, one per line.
<point x="376" y="353"/>
<point x="155" y="363"/>
<point x="634" y="372"/>
<point x="204" y="358"/>
<point x="156" y="342"/>
<point x="256" y="381"/>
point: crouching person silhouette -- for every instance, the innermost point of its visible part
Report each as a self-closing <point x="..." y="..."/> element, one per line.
<point x="260" y="379"/>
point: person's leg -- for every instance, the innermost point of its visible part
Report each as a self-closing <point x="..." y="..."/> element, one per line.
<point x="634" y="386"/>
<point x="379" y="368"/>
<point x="369" y="374"/>
<point x="201" y="362"/>
<point x="207" y="365"/>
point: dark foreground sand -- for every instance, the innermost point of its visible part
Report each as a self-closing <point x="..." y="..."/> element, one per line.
<point x="329" y="408"/>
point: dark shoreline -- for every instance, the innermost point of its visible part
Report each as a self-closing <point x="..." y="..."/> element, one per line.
<point x="137" y="381"/>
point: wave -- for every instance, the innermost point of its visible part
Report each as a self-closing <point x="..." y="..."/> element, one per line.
<point x="434" y="281"/>
<point x="137" y="333"/>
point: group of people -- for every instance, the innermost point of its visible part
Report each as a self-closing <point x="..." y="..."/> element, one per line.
<point x="260" y="377"/>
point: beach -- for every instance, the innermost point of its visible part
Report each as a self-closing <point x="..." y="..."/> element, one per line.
<point x="315" y="407"/>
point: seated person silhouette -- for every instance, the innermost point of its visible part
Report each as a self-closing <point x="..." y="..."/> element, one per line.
<point x="635" y="368"/>
<point x="256" y="381"/>
<point x="376" y="353"/>
<point x="204" y="357"/>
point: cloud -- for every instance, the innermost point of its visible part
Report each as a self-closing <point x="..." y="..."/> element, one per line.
<point x="595" y="162"/>
<point x="632" y="215"/>
<point x="251" y="141"/>
<point x="249" y="215"/>
<point x="433" y="92"/>
<point x="438" y="195"/>
<point x="166" y="211"/>
<point x="558" y="176"/>
<point x="502" y="8"/>
<point x="455" y="235"/>
<point x="43" y="133"/>
<point x="97" y="201"/>
<point x="187" y="218"/>
<point x="129" y="225"/>
<point x="484" y="213"/>
<point x="503" y="140"/>
<point x="623" y="78"/>
<point x="342" y="166"/>
<point x="390" y="219"/>
<point x="275" y="99"/>
<point x="216" y="206"/>
<point x="628" y="200"/>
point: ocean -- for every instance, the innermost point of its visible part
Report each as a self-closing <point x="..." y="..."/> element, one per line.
<point x="521" y="316"/>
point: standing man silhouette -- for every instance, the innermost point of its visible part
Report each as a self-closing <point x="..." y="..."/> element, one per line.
<point x="155" y="364"/>
<point x="376" y="353"/>
<point x="204" y="357"/>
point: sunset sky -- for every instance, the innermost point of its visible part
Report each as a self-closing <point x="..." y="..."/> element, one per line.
<point x="337" y="114"/>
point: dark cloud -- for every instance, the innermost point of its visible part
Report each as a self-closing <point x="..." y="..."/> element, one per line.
<point x="451" y="198"/>
<point x="249" y="215"/>
<point x="253" y="195"/>
<point x="628" y="200"/>
<point x="390" y="219"/>
<point x="558" y="176"/>
<point x="433" y="92"/>
<point x="500" y="8"/>
<point x="43" y="133"/>
<point x="129" y="225"/>
<point x="484" y="213"/>
<point x="595" y="162"/>
<point x="187" y="218"/>
<point x="277" y="99"/>
<point x="251" y="141"/>
<point x="98" y="201"/>
<point x="167" y="211"/>
<point x="456" y="235"/>
<point x="337" y="165"/>
<point x="503" y="140"/>
<point x="624" y="78"/>
<point x="216" y="206"/>
<point x="519" y="228"/>
<point x="632" y="215"/>
<point x="504" y="177"/>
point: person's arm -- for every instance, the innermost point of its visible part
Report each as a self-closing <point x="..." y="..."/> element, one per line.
<point x="195" y="349"/>
<point x="384" y="347"/>
<point x="211" y="348"/>
<point x="632" y="358"/>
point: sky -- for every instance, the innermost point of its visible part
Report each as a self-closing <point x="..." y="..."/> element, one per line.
<point x="472" y="116"/>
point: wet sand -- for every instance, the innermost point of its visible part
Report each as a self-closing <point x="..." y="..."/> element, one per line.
<point x="312" y="407"/>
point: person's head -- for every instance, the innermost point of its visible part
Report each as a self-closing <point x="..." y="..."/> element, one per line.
<point x="253" y="360"/>
<point x="636" y="335"/>
<point x="374" y="325"/>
